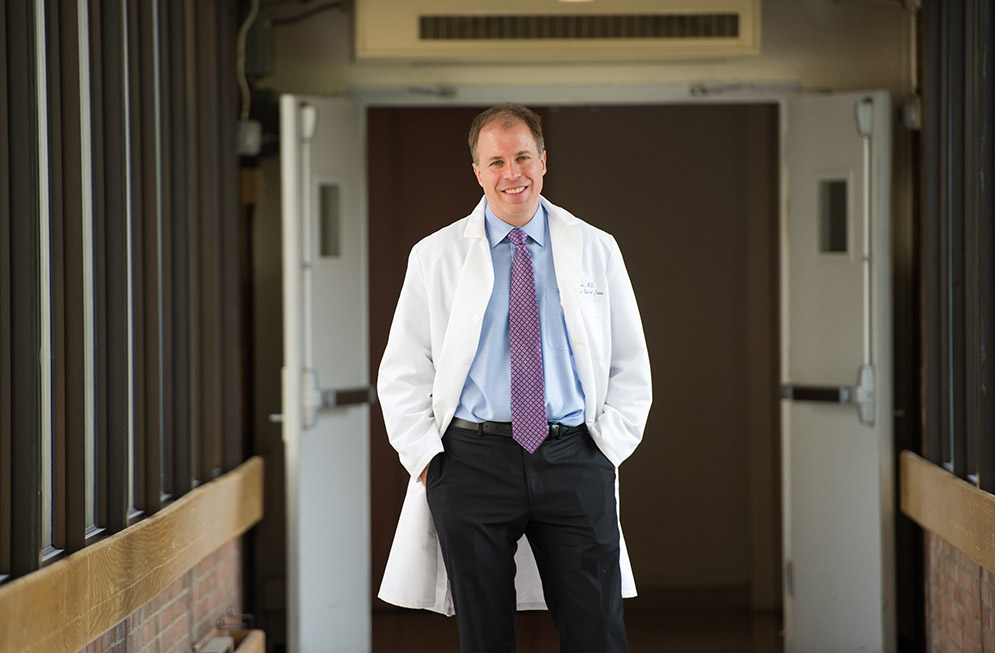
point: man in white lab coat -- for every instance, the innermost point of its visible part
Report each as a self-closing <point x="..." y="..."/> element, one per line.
<point x="514" y="382"/>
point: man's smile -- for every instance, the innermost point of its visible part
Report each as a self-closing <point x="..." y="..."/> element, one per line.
<point x="514" y="191"/>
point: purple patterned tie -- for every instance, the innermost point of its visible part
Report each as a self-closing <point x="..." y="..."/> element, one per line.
<point x="528" y="395"/>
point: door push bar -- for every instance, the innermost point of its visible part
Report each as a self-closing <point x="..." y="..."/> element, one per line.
<point x="366" y="394"/>
<point x="861" y="395"/>
<point x="318" y="399"/>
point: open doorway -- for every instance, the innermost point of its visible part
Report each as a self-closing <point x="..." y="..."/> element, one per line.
<point x="690" y="193"/>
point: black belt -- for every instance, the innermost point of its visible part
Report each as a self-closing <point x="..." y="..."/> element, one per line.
<point x="504" y="428"/>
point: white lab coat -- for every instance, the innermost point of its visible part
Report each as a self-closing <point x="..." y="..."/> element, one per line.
<point x="432" y="342"/>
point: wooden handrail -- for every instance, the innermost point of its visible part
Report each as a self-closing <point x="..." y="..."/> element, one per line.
<point x="65" y="605"/>
<point x="957" y="511"/>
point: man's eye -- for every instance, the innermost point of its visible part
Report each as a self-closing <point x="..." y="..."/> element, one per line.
<point x="494" y="164"/>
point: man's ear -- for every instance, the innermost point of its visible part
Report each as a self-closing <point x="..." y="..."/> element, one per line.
<point x="480" y="179"/>
<point x="543" y="159"/>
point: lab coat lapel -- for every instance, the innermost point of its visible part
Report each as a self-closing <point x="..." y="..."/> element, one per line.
<point x="568" y="260"/>
<point x="473" y="291"/>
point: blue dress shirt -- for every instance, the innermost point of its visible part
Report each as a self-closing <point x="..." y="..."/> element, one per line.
<point x="487" y="391"/>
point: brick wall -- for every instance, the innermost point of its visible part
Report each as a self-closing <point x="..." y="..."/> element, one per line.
<point x="960" y="600"/>
<point x="184" y="613"/>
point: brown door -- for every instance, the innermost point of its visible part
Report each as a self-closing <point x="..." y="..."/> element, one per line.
<point x="690" y="193"/>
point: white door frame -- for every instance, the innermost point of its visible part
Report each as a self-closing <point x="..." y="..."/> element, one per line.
<point x="767" y="595"/>
<point x="718" y="93"/>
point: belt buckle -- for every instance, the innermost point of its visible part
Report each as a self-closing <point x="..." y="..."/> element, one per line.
<point x="554" y="430"/>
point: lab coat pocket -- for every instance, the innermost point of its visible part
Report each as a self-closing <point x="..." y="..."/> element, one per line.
<point x="592" y="310"/>
<point x="592" y="315"/>
<point x="554" y="328"/>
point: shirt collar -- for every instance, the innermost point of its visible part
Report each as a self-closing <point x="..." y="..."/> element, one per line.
<point x="498" y="229"/>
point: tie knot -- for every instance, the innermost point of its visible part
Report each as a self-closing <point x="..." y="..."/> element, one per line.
<point x="517" y="236"/>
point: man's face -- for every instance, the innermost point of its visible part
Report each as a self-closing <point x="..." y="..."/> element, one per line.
<point x="510" y="170"/>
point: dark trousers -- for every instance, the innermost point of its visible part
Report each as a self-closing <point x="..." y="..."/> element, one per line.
<point x="484" y="492"/>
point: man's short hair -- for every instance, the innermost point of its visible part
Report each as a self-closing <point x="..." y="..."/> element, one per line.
<point x="507" y="113"/>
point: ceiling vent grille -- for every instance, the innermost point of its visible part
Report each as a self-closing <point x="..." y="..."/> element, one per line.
<point x="632" y="26"/>
<point x="543" y="31"/>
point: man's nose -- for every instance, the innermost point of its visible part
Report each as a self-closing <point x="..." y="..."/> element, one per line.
<point x="512" y="171"/>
